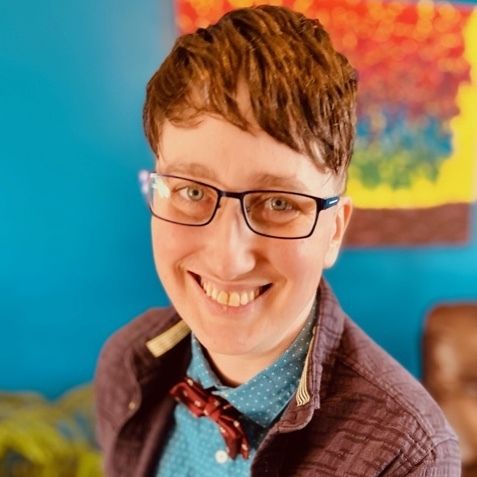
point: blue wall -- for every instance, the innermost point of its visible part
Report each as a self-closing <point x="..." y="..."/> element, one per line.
<point x="75" y="259"/>
<point x="390" y="291"/>
<point x="75" y="262"/>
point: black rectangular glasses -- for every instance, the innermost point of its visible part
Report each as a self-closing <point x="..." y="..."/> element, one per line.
<point x="271" y="213"/>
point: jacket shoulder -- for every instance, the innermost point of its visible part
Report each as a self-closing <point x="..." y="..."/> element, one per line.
<point x="388" y="406"/>
<point x="139" y="330"/>
<point x="115" y="383"/>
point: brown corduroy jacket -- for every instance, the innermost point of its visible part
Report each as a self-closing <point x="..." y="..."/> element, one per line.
<point x="356" y="412"/>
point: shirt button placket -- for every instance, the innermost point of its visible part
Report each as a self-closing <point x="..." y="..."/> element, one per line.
<point x="221" y="457"/>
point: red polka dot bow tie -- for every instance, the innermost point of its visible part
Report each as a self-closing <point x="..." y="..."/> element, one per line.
<point x="203" y="404"/>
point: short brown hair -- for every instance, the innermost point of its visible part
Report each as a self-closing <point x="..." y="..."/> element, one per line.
<point x="302" y="92"/>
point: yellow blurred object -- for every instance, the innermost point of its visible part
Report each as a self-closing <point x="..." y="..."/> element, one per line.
<point x="48" y="439"/>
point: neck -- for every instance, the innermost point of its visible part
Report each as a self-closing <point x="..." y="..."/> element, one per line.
<point x="234" y="370"/>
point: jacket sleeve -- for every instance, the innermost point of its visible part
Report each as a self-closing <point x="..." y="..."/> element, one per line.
<point x="113" y="393"/>
<point x="442" y="461"/>
<point x="102" y="387"/>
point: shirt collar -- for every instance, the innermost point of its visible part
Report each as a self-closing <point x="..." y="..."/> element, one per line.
<point x="262" y="398"/>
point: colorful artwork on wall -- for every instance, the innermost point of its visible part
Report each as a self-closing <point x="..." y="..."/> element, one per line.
<point x="414" y="173"/>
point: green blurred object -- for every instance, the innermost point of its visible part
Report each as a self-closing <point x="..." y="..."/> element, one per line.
<point x="39" y="438"/>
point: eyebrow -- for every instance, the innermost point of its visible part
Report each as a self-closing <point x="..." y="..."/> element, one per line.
<point x="261" y="180"/>
<point x="269" y="180"/>
<point x="192" y="169"/>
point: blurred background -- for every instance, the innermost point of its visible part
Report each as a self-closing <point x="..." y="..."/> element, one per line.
<point x="75" y="255"/>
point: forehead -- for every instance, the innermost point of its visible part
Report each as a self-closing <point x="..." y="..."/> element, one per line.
<point x="220" y="152"/>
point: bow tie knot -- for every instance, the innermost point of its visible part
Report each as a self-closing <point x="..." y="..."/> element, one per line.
<point x="213" y="409"/>
<point x="204" y="404"/>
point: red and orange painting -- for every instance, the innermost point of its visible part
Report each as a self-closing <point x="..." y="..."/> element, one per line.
<point x="413" y="177"/>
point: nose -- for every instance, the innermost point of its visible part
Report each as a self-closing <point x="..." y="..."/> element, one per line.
<point x="231" y="245"/>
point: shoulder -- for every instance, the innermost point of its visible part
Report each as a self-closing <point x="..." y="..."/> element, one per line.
<point x="386" y="407"/>
<point x="122" y="360"/>
<point x="136" y="333"/>
<point x="370" y="368"/>
<point x="130" y="344"/>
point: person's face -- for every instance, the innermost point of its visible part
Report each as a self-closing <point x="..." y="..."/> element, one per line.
<point x="227" y="256"/>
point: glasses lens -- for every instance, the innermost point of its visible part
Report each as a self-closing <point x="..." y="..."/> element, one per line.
<point x="280" y="214"/>
<point x="181" y="200"/>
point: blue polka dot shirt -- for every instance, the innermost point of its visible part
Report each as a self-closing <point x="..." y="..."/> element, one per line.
<point x="195" y="447"/>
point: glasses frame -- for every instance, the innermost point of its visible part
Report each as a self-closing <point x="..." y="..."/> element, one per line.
<point x="321" y="204"/>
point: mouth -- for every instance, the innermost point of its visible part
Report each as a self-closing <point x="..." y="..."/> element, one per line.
<point x="234" y="298"/>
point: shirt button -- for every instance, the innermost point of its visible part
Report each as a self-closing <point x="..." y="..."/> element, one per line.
<point x="221" y="457"/>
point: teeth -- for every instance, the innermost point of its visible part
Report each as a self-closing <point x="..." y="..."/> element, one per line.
<point x="222" y="298"/>
<point x="234" y="299"/>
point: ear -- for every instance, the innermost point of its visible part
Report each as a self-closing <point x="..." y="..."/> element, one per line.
<point x="339" y="226"/>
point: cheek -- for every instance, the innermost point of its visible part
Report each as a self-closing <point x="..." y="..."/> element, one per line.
<point x="169" y="247"/>
<point x="302" y="263"/>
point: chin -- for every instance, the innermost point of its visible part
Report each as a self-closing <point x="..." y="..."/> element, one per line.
<point x="225" y="342"/>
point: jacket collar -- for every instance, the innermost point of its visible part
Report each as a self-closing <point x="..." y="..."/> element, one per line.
<point x="319" y="363"/>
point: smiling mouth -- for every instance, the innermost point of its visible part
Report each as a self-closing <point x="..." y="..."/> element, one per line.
<point x="230" y="298"/>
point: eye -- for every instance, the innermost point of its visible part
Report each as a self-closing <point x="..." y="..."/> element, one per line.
<point x="279" y="204"/>
<point x="192" y="193"/>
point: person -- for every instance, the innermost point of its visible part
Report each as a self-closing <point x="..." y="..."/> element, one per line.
<point x="255" y="369"/>
<point x="450" y="372"/>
